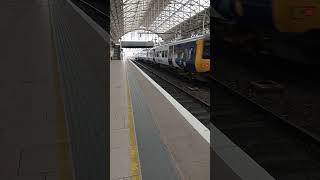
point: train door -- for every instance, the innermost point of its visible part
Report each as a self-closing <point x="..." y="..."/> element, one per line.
<point x="170" y="55"/>
<point x="190" y="60"/>
<point x="180" y="56"/>
<point x="191" y="56"/>
<point x="163" y="57"/>
<point x="147" y="55"/>
<point x="166" y="53"/>
<point x="154" y="54"/>
<point x="157" y="57"/>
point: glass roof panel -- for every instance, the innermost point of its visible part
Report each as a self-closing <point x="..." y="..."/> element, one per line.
<point x="179" y="11"/>
<point x="154" y="15"/>
<point x="133" y="11"/>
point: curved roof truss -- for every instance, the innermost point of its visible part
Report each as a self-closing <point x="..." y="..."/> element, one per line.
<point x="167" y="18"/>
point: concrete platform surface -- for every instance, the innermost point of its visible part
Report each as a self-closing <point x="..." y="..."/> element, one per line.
<point x="33" y="138"/>
<point x="124" y="162"/>
<point x="165" y="132"/>
<point x="53" y="105"/>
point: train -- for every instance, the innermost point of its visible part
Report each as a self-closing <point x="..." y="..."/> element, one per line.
<point x="190" y="55"/>
<point x="288" y="29"/>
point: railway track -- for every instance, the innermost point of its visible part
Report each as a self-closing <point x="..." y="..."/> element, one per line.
<point x="286" y="151"/>
<point x="96" y="13"/>
<point x="199" y="108"/>
<point x="298" y="100"/>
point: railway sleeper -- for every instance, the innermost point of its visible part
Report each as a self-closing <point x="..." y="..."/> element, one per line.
<point x="275" y="149"/>
<point x="281" y="158"/>
<point x="190" y="104"/>
<point x="254" y="135"/>
<point x="254" y="124"/>
<point x="187" y="101"/>
<point x="303" y="167"/>
<point x="204" y="117"/>
<point x="226" y="116"/>
<point x="198" y="111"/>
<point x="310" y="175"/>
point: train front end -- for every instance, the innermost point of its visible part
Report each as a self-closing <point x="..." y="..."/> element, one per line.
<point x="202" y="62"/>
<point x="286" y="29"/>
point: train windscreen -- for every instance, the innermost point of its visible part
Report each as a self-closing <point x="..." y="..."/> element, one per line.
<point x="206" y="50"/>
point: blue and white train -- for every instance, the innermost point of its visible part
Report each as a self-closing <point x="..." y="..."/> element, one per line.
<point x="192" y="54"/>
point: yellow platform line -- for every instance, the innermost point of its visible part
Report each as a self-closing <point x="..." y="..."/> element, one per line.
<point x="135" y="167"/>
<point x="62" y="140"/>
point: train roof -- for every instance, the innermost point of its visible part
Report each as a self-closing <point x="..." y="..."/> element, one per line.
<point x="207" y="36"/>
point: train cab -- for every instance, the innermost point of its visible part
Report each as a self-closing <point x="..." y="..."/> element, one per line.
<point x="202" y="62"/>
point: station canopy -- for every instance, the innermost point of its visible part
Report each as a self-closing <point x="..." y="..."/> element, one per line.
<point x="167" y="18"/>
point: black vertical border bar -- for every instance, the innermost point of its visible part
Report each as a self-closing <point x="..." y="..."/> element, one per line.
<point x="107" y="60"/>
<point x="212" y="68"/>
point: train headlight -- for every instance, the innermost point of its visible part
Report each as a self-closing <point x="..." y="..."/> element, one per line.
<point x="311" y="11"/>
<point x="301" y="12"/>
<point x="204" y="66"/>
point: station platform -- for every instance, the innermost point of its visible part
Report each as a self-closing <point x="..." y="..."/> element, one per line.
<point x="31" y="132"/>
<point x="54" y="107"/>
<point x="53" y="122"/>
<point x="153" y="136"/>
